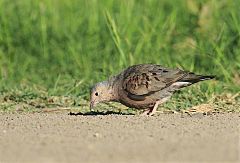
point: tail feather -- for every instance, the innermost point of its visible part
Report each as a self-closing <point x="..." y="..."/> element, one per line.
<point x="190" y="79"/>
<point x="207" y="77"/>
<point x="193" y="78"/>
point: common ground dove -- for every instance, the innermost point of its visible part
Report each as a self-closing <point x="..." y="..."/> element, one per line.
<point x="143" y="86"/>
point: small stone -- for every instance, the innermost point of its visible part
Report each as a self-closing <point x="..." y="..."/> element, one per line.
<point x="96" y="135"/>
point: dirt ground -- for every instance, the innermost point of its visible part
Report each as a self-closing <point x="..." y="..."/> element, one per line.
<point x="60" y="137"/>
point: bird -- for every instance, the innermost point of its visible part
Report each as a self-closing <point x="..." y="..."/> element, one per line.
<point x="143" y="86"/>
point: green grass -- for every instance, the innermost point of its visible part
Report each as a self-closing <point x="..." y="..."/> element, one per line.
<point x="61" y="48"/>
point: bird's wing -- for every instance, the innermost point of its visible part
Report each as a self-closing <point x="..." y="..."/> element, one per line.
<point x="142" y="80"/>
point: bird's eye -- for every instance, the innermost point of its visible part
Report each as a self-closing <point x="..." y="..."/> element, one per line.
<point x="96" y="94"/>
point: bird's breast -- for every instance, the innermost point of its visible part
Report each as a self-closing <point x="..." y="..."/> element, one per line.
<point x="146" y="101"/>
<point x="136" y="101"/>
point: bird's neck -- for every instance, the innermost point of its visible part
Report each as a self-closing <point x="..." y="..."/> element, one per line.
<point x="113" y="90"/>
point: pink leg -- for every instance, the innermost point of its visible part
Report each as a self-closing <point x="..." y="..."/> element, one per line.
<point x="153" y="110"/>
<point x="147" y="111"/>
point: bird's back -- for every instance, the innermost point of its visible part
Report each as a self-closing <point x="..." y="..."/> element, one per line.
<point x="140" y="86"/>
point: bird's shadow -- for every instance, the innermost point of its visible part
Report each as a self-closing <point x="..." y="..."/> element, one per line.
<point x="95" y="113"/>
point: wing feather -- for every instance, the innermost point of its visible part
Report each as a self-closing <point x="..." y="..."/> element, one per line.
<point x="145" y="79"/>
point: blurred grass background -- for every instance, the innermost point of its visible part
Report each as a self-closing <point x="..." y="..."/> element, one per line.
<point x="63" y="47"/>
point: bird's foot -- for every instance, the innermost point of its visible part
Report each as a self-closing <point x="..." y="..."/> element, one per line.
<point x="149" y="112"/>
<point x="153" y="110"/>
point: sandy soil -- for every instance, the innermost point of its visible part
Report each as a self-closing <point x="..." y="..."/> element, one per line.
<point x="119" y="138"/>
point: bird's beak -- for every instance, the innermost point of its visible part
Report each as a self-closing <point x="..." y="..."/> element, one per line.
<point x="92" y="105"/>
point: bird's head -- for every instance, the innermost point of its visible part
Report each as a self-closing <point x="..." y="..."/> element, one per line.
<point x="101" y="92"/>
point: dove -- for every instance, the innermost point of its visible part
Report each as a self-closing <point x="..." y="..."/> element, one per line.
<point x="143" y="86"/>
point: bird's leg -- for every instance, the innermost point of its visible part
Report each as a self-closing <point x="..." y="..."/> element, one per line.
<point x="147" y="111"/>
<point x="153" y="110"/>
